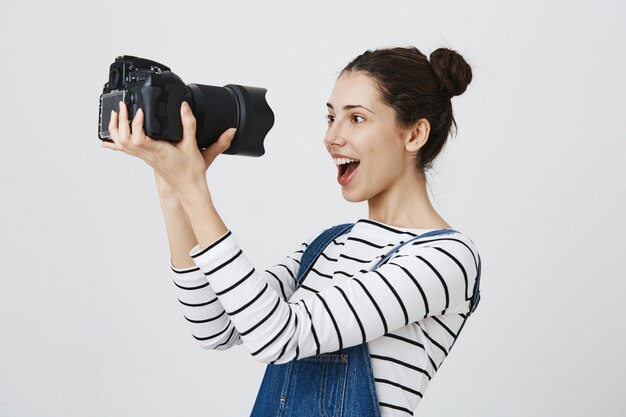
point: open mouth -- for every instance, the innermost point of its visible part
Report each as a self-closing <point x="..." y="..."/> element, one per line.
<point x="345" y="169"/>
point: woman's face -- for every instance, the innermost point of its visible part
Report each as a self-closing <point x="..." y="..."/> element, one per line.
<point x="362" y="127"/>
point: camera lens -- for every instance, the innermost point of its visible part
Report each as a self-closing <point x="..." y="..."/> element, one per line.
<point x="219" y="108"/>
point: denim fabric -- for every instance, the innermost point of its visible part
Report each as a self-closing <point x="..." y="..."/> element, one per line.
<point x="336" y="384"/>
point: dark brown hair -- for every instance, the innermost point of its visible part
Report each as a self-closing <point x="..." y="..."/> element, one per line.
<point x="416" y="89"/>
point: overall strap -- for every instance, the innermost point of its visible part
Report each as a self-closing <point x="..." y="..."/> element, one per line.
<point x="475" y="294"/>
<point x="397" y="248"/>
<point x="314" y="250"/>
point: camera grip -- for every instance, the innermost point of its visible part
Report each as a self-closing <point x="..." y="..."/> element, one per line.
<point x="161" y="107"/>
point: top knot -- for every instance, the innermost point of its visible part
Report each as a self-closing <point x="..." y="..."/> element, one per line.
<point x="452" y="69"/>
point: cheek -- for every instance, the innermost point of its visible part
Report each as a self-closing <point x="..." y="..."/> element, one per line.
<point x="382" y="163"/>
<point x="384" y="155"/>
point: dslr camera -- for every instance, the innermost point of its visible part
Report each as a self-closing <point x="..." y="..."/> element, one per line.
<point x="154" y="88"/>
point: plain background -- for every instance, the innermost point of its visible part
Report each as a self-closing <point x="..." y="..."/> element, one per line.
<point x="89" y="321"/>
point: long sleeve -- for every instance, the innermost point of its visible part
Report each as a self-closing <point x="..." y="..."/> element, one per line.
<point x="208" y="321"/>
<point x="422" y="280"/>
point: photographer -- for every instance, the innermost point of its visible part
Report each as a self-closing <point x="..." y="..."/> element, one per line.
<point x="364" y="326"/>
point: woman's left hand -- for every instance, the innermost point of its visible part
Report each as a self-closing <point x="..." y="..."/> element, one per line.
<point x="181" y="164"/>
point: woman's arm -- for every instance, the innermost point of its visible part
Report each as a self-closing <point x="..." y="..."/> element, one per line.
<point x="179" y="165"/>
<point x="197" y="298"/>
<point x="179" y="234"/>
<point x="205" y="315"/>
<point x="207" y="321"/>
<point x="423" y="280"/>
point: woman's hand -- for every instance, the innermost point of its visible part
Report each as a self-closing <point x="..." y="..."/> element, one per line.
<point x="181" y="166"/>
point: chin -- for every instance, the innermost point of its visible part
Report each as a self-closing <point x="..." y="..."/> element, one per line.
<point x="353" y="197"/>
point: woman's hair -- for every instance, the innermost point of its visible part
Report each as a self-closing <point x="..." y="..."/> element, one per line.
<point x="416" y="89"/>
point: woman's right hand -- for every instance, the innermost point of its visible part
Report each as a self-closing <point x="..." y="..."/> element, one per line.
<point x="209" y="154"/>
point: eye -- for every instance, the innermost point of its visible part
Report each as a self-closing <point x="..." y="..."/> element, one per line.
<point x="330" y="118"/>
<point x="357" y="118"/>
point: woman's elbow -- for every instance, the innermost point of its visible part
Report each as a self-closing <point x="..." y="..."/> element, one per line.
<point x="228" y="340"/>
<point x="273" y="354"/>
<point x="265" y="358"/>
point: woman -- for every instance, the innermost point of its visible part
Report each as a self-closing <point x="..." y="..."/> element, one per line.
<point x="352" y="332"/>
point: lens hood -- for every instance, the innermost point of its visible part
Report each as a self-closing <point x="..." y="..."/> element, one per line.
<point x="219" y="108"/>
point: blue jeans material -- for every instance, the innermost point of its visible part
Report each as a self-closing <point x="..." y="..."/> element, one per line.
<point x="337" y="384"/>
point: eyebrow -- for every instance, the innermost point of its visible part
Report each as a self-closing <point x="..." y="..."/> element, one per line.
<point x="350" y="106"/>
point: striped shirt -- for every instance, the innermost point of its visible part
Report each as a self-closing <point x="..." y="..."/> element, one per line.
<point x="409" y="310"/>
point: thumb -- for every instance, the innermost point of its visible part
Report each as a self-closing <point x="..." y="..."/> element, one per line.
<point x="221" y="145"/>
<point x="189" y="125"/>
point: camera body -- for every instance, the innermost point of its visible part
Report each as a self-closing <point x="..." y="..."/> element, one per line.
<point x="148" y="85"/>
<point x="145" y="84"/>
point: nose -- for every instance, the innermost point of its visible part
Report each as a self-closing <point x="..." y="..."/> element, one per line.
<point x="334" y="138"/>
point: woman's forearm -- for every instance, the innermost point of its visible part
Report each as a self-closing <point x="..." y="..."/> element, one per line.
<point x="205" y="221"/>
<point x="190" y="219"/>
<point x="180" y="235"/>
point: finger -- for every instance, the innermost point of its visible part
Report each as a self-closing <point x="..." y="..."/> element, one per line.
<point x="226" y="139"/>
<point x="138" y="136"/>
<point x="189" y="125"/>
<point x="113" y="125"/>
<point x="123" y="124"/>
<point x="113" y="131"/>
<point x="221" y="145"/>
<point x="109" y="145"/>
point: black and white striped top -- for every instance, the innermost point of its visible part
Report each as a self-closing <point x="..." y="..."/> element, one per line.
<point x="409" y="310"/>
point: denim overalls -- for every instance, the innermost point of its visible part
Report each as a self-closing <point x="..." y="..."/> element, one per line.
<point x="337" y="384"/>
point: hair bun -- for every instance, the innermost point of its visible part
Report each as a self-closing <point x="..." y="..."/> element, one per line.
<point x="452" y="69"/>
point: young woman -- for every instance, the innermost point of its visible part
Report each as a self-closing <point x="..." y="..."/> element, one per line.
<point x="361" y="325"/>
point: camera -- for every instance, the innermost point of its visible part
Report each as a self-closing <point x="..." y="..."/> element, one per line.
<point x="154" y="88"/>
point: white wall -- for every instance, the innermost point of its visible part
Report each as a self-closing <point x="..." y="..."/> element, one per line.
<point x="89" y="323"/>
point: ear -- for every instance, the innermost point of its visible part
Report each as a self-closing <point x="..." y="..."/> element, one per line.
<point x="417" y="135"/>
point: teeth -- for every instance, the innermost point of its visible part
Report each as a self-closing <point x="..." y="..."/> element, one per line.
<point x="341" y="161"/>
